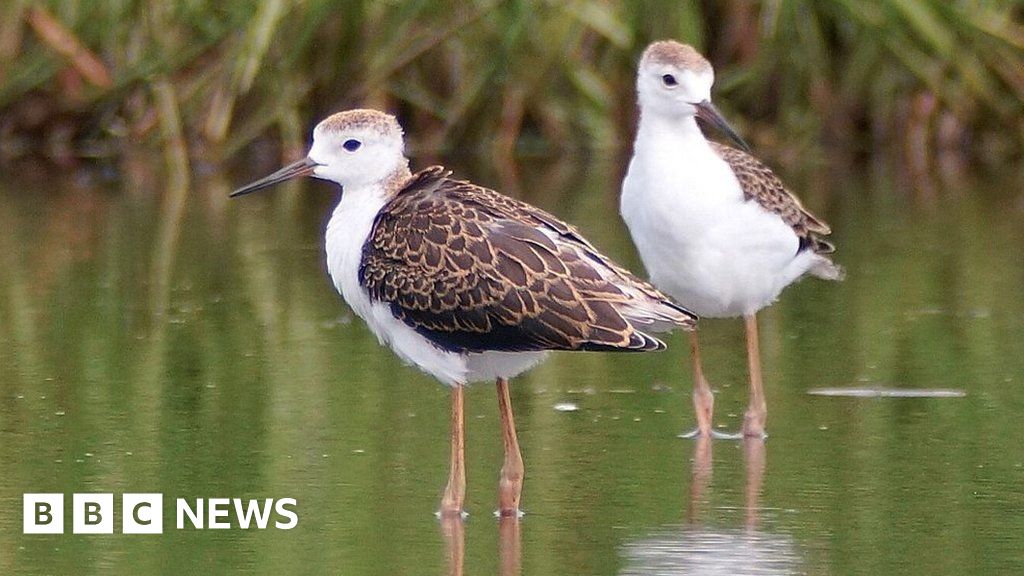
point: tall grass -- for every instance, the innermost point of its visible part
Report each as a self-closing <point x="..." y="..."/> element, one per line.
<point x="502" y="76"/>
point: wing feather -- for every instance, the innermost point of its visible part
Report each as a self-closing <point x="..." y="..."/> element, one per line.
<point x="761" y="185"/>
<point x="473" y="270"/>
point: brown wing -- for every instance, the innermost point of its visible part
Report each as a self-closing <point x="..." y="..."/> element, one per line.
<point x="760" y="184"/>
<point x="473" y="270"/>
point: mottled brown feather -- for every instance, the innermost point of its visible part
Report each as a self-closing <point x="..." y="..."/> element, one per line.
<point x="761" y="185"/>
<point x="473" y="270"/>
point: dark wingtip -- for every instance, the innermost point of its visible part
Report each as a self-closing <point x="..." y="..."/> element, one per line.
<point x="641" y="342"/>
<point x="815" y="244"/>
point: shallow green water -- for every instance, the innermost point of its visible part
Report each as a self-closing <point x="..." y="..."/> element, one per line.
<point x="180" y="343"/>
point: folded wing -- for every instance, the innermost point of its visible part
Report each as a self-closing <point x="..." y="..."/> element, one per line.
<point x="761" y="185"/>
<point x="473" y="270"/>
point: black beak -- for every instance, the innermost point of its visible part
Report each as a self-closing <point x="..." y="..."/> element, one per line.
<point x="707" y="112"/>
<point x="303" y="167"/>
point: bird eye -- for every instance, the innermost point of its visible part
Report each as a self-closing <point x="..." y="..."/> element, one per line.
<point x="669" y="80"/>
<point x="351" y="145"/>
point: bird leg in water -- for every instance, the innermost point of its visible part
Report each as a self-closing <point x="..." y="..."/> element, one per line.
<point x="757" y="410"/>
<point x="455" y="491"/>
<point x="703" y="398"/>
<point x="510" y="484"/>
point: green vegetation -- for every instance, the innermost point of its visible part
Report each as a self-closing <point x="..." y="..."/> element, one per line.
<point x="82" y="78"/>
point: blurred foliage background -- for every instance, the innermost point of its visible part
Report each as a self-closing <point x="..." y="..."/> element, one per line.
<point x="155" y="337"/>
<point x="933" y="80"/>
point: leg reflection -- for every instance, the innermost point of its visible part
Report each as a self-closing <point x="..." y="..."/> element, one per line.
<point x="701" y="476"/>
<point x="454" y="533"/>
<point x="509" y="550"/>
<point x="754" y="459"/>
<point x="722" y="544"/>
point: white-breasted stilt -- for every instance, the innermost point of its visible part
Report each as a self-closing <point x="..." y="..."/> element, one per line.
<point x="465" y="283"/>
<point x="715" y="228"/>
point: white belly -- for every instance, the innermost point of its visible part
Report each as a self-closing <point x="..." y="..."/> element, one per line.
<point x="702" y="243"/>
<point x="347" y="232"/>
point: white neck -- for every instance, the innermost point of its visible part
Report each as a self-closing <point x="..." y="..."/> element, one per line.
<point x="362" y="202"/>
<point x="669" y="131"/>
<point x="357" y="202"/>
<point x="351" y="223"/>
<point x="672" y="160"/>
<point x="347" y="232"/>
<point x="671" y="147"/>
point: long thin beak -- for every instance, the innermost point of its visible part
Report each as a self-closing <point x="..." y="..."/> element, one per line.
<point x="706" y="111"/>
<point x="303" y="167"/>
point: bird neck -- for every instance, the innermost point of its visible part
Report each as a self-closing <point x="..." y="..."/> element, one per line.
<point x="356" y="196"/>
<point x="669" y="131"/>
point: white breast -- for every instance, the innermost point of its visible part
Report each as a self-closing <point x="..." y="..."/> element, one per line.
<point x="347" y="232"/>
<point x="701" y="242"/>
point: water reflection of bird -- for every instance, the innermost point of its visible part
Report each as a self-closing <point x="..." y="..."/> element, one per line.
<point x="454" y="533"/>
<point x="510" y="551"/>
<point x="716" y="229"/>
<point x="710" y="552"/>
<point x="463" y="282"/>
<point x="698" y="547"/>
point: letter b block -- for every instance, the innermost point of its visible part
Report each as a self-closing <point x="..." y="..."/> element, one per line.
<point x="43" y="514"/>
<point x="93" y="514"/>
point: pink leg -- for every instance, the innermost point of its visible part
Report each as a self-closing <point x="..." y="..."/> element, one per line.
<point x="455" y="491"/>
<point x="703" y="398"/>
<point x="510" y="484"/>
<point x="757" y="410"/>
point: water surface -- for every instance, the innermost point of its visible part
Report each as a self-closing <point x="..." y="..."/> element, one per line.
<point x="156" y="337"/>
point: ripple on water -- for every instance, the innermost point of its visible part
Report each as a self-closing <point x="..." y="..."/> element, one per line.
<point x="875" y="392"/>
<point x="711" y="551"/>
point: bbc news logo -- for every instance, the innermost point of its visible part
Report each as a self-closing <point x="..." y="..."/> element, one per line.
<point x="143" y="513"/>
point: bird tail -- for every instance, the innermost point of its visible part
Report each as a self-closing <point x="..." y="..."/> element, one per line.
<point x="824" y="268"/>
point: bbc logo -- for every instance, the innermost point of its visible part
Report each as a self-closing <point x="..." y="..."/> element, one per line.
<point x="143" y="513"/>
<point x="93" y="513"/>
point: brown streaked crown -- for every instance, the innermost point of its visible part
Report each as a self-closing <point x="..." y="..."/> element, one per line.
<point x="673" y="53"/>
<point x="362" y="119"/>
